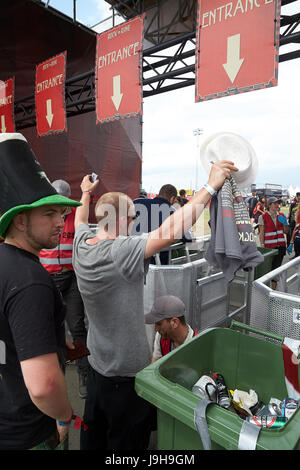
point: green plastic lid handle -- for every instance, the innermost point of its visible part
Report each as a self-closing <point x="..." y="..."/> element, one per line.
<point x="267" y="334"/>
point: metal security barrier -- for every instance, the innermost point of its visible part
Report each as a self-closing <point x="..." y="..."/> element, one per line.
<point x="278" y="311"/>
<point x="209" y="299"/>
<point x="180" y="253"/>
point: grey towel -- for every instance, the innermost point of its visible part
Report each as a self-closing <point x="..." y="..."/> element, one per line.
<point x="232" y="244"/>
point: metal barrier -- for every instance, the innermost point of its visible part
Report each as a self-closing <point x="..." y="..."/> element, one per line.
<point x="209" y="299"/>
<point x="180" y="253"/>
<point x="278" y="310"/>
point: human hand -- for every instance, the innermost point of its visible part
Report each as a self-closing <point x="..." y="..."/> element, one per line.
<point x="87" y="185"/>
<point x="69" y="344"/>
<point x="283" y="219"/>
<point x="219" y="172"/>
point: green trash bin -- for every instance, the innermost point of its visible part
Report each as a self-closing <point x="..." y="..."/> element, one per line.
<point x="246" y="362"/>
<point x="266" y="266"/>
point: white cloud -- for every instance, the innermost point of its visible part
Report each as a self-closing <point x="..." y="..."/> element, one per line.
<point x="267" y="118"/>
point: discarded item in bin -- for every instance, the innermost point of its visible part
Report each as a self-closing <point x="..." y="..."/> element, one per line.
<point x="288" y="407"/>
<point x="258" y="408"/>
<point x="267" y="421"/>
<point x="221" y="390"/>
<point x="243" y="401"/>
<point x="205" y="388"/>
<point x="272" y="409"/>
<point x="212" y="387"/>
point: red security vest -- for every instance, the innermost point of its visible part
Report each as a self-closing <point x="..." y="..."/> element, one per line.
<point x="297" y="229"/>
<point x="165" y="344"/>
<point x="61" y="256"/>
<point x="273" y="237"/>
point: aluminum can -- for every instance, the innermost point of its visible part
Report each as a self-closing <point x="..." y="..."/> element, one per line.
<point x="267" y="421"/>
<point x="289" y="406"/>
<point x="272" y="409"/>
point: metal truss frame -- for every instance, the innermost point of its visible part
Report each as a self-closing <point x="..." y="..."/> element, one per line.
<point x="167" y="66"/>
<point x="79" y="99"/>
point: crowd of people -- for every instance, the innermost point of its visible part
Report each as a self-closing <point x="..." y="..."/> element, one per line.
<point x="37" y="279"/>
<point x="56" y="272"/>
<point x="276" y="230"/>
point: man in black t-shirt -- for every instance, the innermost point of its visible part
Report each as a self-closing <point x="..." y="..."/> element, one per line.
<point x="32" y="386"/>
<point x="35" y="411"/>
<point x="30" y="323"/>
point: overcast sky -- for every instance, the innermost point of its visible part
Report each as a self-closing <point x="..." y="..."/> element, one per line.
<point x="268" y="118"/>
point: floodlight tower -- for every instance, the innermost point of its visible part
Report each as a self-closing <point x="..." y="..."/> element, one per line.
<point x="197" y="132"/>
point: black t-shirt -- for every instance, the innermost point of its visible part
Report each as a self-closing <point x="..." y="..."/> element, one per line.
<point x="252" y="203"/>
<point x="31" y="325"/>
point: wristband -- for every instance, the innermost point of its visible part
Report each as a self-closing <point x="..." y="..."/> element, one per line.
<point x="89" y="192"/>
<point x="78" y="423"/>
<point x="66" y="423"/>
<point x="211" y="190"/>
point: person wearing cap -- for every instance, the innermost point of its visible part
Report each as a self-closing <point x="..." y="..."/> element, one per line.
<point x="110" y="268"/>
<point x="58" y="262"/>
<point x="168" y="316"/>
<point x="273" y="226"/>
<point x="35" y="411"/>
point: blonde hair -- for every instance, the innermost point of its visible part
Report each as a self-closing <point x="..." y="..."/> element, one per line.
<point x="111" y="207"/>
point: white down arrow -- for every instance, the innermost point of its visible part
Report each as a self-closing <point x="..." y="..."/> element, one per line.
<point x="117" y="96"/>
<point x="234" y="62"/>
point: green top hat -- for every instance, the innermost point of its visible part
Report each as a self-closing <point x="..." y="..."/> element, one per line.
<point x="24" y="185"/>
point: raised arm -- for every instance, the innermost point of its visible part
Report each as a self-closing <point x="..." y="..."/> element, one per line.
<point x="183" y="219"/>
<point x="82" y="212"/>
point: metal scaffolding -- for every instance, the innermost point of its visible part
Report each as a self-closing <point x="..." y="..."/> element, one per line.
<point x="167" y="65"/>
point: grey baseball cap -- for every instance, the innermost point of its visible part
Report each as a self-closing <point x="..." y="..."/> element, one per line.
<point x="273" y="199"/>
<point x="62" y="187"/>
<point x="167" y="306"/>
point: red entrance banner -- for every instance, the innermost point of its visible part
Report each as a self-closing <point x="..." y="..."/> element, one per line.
<point x="119" y="71"/>
<point x="237" y="46"/>
<point x="7" y="106"/>
<point x="50" y="96"/>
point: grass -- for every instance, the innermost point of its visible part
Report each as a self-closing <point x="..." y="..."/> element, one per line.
<point x="201" y="227"/>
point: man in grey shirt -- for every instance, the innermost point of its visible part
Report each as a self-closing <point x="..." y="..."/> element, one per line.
<point x="110" y="269"/>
